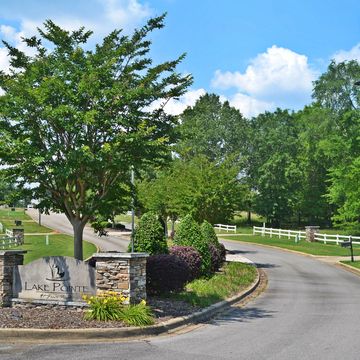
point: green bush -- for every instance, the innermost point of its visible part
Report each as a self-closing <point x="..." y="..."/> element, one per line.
<point x="189" y="234"/>
<point x="149" y="236"/>
<point x="209" y="233"/>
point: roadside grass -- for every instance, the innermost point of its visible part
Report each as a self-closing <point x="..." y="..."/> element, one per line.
<point x="59" y="245"/>
<point x="18" y="214"/>
<point x="234" y="278"/>
<point x="314" y="248"/>
<point x="8" y="217"/>
<point x="355" y="264"/>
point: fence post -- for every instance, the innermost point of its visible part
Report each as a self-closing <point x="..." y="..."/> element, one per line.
<point x="337" y="239"/>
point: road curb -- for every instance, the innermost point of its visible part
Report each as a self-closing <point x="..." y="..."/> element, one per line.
<point x="172" y="325"/>
<point x="348" y="268"/>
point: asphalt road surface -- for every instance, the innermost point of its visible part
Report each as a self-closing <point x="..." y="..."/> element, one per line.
<point x="60" y="223"/>
<point x="311" y="310"/>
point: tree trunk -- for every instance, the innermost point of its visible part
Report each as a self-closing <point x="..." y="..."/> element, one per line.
<point x="78" y="227"/>
<point x="249" y="217"/>
<point x="166" y="228"/>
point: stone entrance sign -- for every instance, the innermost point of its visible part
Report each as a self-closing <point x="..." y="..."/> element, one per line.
<point x="55" y="278"/>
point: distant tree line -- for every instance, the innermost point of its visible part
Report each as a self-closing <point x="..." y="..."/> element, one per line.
<point x="293" y="168"/>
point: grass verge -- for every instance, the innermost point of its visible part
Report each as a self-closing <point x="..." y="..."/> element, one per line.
<point x="234" y="278"/>
<point x="59" y="245"/>
<point x="314" y="248"/>
<point x="8" y="217"/>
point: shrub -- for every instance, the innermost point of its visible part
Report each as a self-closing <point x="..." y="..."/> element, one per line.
<point x="217" y="255"/>
<point x="191" y="257"/>
<point x="149" y="236"/>
<point x="189" y="234"/>
<point x="165" y="273"/>
<point x="209" y="233"/>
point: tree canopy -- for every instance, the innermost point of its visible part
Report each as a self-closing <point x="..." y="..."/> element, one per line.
<point x="73" y="121"/>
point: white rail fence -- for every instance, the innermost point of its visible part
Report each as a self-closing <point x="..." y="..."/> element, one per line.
<point x="8" y="242"/>
<point x="338" y="239"/>
<point x="325" y="238"/>
<point x="279" y="232"/>
<point x="8" y="239"/>
<point x="225" y="227"/>
<point x="8" y="233"/>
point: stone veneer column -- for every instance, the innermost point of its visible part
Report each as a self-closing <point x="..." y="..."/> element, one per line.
<point x="19" y="233"/>
<point x="9" y="259"/>
<point x="310" y="232"/>
<point x="124" y="273"/>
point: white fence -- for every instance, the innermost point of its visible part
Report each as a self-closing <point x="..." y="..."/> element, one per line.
<point x="9" y="233"/>
<point x="225" y="227"/>
<point x="279" y="232"/>
<point x="338" y="239"/>
<point x="8" y="242"/>
<point x="325" y="238"/>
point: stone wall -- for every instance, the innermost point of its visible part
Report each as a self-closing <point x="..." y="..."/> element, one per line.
<point x="310" y="232"/>
<point x="123" y="273"/>
<point x="8" y="260"/>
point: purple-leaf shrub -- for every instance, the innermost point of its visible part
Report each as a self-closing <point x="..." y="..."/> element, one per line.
<point x="165" y="274"/>
<point x="191" y="257"/>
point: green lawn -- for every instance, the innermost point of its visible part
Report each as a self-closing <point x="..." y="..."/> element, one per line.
<point x="18" y="214"/>
<point x="59" y="245"/>
<point x="315" y="248"/>
<point x="8" y="217"/>
<point x="234" y="278"/>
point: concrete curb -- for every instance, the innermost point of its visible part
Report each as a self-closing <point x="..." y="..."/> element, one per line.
<point x="348" y="268"/>
<point x="172" y="325"/>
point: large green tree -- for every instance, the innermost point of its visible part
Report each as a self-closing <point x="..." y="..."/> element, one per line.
<point x="273" y="168"/>
<point x="73" y="121"/>
<point x="336" y="90"/>
<point x="206" y="190"/>
<point x="213" y="129"/>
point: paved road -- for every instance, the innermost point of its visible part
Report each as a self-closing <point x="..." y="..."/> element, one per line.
<point x="311" y="310"/>
<point x="60" y="223"/>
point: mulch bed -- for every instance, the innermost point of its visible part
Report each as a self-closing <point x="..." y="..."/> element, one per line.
<point x="47" y="317"/>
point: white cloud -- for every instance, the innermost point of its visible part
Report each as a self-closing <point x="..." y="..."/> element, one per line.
<point x="101" y="16"/>
<point x="344" y="55"/>
<point x="278" y="76"/>
<point x="250" y="106"/>
<point x="125" y="11"/>
<point x="4" y="60"/>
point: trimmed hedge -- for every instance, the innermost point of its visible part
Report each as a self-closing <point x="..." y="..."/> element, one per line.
<point x="208" y="233"/>
<point x="165" y="274"/>
<point x="149" y="236"/>
<point x="189" y="234"/>
<point x="191" y="257"/>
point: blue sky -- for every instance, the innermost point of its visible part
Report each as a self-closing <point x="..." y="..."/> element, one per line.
<point x="257" y="54"/>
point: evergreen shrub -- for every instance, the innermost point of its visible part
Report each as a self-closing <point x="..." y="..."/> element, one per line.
<point x="149" y="236"/>
<point x="189" y="234"/>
